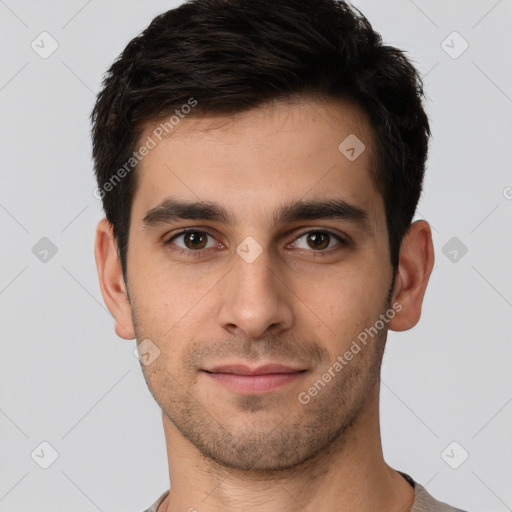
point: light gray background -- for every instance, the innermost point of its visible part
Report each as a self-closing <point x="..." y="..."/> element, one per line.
<point x="65" y="377"/>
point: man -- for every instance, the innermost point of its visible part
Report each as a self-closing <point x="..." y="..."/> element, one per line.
<point x="260" y="163"/>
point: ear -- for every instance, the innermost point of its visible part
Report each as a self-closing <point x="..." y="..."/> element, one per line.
<point x="113" y="287"/>
<point x="414" y="269"/>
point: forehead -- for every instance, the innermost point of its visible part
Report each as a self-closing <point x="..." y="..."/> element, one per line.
<point x="254" y="161"/>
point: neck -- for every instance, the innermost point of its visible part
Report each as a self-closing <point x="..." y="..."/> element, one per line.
<point x="349" y="474"/>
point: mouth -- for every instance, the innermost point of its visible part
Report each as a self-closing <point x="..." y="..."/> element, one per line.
<point x="240" y="378"/>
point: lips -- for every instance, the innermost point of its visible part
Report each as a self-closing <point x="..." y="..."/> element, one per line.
<point x="266" y="369"/>
<point x="258" y="380"/>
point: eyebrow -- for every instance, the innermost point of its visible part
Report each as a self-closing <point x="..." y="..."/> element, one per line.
<point x="172" y="209"/>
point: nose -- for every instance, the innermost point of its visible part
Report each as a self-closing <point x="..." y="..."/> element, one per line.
<point x="255" y="298"/>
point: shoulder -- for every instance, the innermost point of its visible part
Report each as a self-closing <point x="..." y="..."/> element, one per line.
<point x="424" y="502"/>
<point x="157" y="503"/>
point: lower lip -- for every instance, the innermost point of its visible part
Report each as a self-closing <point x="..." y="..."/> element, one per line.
<point x="254" y="383"/>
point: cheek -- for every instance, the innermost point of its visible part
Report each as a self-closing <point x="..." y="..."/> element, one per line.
<point x="169" y="304"/>
<point x="164" y="300"/>
<point x="347" y="299"/>
<point x="158" y="286"/>
<point x="347" y="309"/>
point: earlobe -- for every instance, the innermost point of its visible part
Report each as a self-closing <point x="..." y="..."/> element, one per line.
<point x="110" y="275"/>
<point x="415" y="266"/>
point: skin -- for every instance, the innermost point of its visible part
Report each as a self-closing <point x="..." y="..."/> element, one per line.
<point x="267" y="451"/>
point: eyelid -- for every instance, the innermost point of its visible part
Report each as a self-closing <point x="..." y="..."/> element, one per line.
<point x="344" y="240"/>
<point x="341" y="237"/>
<point x="184" y="231"/>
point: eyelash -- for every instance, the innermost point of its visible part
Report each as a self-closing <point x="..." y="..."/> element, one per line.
<point x="198" y="253"/>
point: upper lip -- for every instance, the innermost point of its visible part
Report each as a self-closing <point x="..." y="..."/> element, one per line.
<point x="242" y="369"/>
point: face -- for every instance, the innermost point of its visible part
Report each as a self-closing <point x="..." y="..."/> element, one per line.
<point x="285" y="261"/>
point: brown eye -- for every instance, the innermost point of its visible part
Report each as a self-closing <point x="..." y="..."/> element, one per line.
<point x="195" y="240"/>
<point x="192" y="240"/>
<point x="318" y="240"/>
